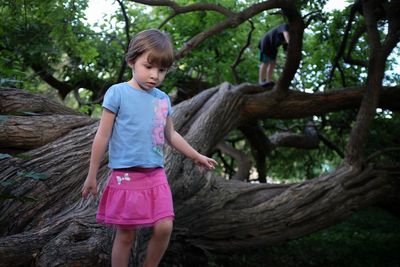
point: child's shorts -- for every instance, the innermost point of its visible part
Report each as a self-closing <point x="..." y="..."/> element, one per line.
<point x="265" y="58"/>
<point x="135" y="197"/>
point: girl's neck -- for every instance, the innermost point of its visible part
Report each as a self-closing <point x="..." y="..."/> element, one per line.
<point x="135" y="85"/>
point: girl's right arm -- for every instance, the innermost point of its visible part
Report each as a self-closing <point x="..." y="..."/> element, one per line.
<point x="98" y="149"/>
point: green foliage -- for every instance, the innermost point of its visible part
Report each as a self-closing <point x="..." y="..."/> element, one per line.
<point x="384" y="135"/>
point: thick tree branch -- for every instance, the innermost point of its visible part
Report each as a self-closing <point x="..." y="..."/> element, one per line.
<point x="13" y="101"/>
<point x="300" y="105"/>
<point x="309" y="140"/>
<point x="354" y="150"/>
<point x="293" y="54"/>
<point x="28" y="132"/>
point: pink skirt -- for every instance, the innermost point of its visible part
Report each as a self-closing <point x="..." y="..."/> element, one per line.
<point x="135" y="197"/>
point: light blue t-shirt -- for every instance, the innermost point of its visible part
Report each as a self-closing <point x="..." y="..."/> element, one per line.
<point x="138" y="134"/>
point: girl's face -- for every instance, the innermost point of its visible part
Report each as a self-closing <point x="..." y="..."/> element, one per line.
<point x="146" y="76"/>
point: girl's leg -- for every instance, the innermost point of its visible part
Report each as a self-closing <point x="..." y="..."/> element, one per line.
<point x="158" y="243"/>
<point x="122" y="247"/>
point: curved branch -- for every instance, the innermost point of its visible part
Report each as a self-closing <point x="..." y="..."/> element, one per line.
<point x="185" y="9"/>
<point x="355" y="149"/>
<point x="174" y="14"/>
<point x="331" y="145"/>
<point x="243" y="162"/>
<point x="238" y="58"/>
<point x="63" y="88"/>
<point x="392" y="10"/>
<point x="348" y="59"/>
<point x="354" y="8"/>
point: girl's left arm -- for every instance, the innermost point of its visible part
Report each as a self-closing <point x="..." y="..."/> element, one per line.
<point x="180" y="144"/>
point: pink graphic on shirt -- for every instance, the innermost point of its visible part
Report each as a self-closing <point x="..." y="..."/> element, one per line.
<point x="160" y="115"/>
<point x="158" y="134"/>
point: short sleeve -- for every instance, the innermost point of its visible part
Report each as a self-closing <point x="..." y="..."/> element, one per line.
<point x="112" y="99"/>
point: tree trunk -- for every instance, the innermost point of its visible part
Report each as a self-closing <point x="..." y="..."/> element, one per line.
<point x="45" y="222"/>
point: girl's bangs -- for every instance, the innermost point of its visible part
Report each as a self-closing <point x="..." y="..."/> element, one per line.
<point x="160" y="58"/>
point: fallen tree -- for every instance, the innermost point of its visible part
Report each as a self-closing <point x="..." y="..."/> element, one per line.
<point x="44" y="221"/>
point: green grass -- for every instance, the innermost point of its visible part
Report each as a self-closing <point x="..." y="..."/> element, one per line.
<point x="369" y="238"/>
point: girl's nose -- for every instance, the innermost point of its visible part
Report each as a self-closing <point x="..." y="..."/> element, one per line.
<point x="155" y="73"/>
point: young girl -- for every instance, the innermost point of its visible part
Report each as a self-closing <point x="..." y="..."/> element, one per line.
<point x="135" y="120"/>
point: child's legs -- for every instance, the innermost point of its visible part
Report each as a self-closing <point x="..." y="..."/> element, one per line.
<point x="159" y="242"/>
<point x="122" y="247"/>
<point x="262" y="75"/>
<point x="263" y="67"/>
<point x="267" y="67"/>
<point x="270" y="70"/>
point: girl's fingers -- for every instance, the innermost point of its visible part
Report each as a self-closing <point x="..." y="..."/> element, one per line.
<point x="86" y="191"/>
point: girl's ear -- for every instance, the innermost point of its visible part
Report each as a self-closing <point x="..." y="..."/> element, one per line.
<point x="130" y="64"/>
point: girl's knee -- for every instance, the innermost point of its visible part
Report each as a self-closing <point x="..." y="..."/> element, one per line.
<point x="163" y="228"/>
<point x="125" y="236"/>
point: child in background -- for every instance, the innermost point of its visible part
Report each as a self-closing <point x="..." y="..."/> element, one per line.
<point x="268" y="46"/>
<point x="135" y="121"/>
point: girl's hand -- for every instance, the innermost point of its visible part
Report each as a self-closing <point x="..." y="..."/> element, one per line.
<point x="206" y="162"/>
<point x="90" y="186"/>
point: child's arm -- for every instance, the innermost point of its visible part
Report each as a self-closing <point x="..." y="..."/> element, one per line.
<point x="98" y="148"/>
<point x="286" y="36"/>
<point x="180" y="144"/>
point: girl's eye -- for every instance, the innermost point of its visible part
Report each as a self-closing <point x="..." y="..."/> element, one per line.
<point x="163" y="70"/>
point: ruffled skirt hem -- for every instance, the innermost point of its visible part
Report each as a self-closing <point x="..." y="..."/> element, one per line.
<point x="132" y="225"/>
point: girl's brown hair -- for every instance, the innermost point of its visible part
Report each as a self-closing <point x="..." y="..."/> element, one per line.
<point x="158" y="43"/>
